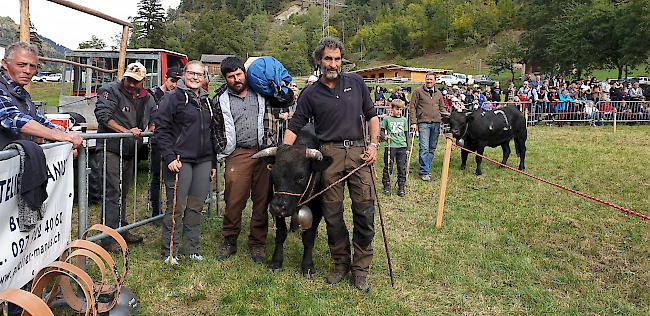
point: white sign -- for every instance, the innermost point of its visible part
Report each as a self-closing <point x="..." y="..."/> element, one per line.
<point x="23" y="254"/>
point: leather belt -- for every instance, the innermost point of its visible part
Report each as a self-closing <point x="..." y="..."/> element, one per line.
<point x="347" y="143"/>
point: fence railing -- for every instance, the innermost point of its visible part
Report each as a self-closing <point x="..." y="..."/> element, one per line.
<point x="589" y="112"/>
<point x="91" y="183"/>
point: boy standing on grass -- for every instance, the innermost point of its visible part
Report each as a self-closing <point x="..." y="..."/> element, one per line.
<point x="394" y="132"/>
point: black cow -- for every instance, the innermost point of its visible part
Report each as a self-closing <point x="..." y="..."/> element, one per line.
<point x="295" y="176"/>
<point x="475" y="130"/>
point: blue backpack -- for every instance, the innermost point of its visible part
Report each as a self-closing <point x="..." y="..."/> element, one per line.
<point x="268" y="77"/>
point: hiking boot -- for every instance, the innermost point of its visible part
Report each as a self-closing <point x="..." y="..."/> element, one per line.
<point x="386" y="191"/>
<point x="173" y="261"/>
<point x="401" y="192"/>
<point x="131" y="238"/>
<point x="195" y="257"/>
<point x="112" y="247"/>
<point x="361" y="283"/>
<point x="257" y="254"/>
<point x="228" y="249"/>
<point x="337" y="275"/>
<point x="425" y="177"/>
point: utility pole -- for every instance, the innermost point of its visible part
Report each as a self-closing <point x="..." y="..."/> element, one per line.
<point x="327" y="5"/>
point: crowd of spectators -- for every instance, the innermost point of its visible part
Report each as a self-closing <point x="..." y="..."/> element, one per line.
<point x="548" y="98"/>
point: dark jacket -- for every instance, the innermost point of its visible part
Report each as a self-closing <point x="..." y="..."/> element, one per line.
<point x="184" y="126"/>
<point x="425" y="107"/>
<point x="115" y="103"/>
<point x="23" y="105"/>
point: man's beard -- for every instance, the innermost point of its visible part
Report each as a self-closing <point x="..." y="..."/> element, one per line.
<point x="238" y="86"/>
<point x="329" y="76"/>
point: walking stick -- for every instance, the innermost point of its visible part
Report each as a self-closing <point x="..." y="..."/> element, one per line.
<point x="390" y="168"/>
<point x="171" y="237"/>
<point x="408" y="161"/>
<point x="381" y="218"/>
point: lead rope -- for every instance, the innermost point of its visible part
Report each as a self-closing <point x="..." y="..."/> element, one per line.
<point x="311" y="176"/>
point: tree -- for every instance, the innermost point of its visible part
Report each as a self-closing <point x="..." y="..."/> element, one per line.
<point x="508" y="53"/>
<point x="290" y="48"/>
<point x="93" y="42"/>
<point x="149" y="25"/>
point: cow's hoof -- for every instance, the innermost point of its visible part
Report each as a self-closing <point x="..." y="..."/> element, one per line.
<point x="275" y="267"/>
<point x="478" y="173"/>
<point x="522" y="168"/>
<point x="462" y="167"/>
<point x="309" y="273"/>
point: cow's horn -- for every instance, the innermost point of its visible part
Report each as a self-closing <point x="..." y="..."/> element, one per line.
<point x="313" y="154"/>
<point x="269" y="152"/>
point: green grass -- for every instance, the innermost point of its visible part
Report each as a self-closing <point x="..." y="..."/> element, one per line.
<point x="508" y="245"/>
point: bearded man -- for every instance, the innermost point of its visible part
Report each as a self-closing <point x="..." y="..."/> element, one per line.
<point x="243" y="115"/>
<point x="337" y="102"/>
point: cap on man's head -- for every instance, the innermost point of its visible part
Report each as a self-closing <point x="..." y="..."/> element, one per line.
<point x="135" y="71"/>
<point x="455" y="87"/>
<point x="448" y="84"/>
<point x="174" y="73"/>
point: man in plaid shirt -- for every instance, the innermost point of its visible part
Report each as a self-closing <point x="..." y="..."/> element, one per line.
<point x="18" y="116"/>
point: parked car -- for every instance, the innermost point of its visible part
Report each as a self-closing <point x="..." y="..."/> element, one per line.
<point x="449" y="79"/>
<point x="53" y="78"/>
<point x="40" y="77"/>
<point x="463" y="78"/>
<point x="483" y="80"/>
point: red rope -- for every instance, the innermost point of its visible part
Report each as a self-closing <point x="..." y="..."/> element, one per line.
<point x="618" y="207"/>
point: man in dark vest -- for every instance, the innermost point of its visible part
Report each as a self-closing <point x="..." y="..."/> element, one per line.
<point x="18" y="116"/>
<point x="123" y="106"/>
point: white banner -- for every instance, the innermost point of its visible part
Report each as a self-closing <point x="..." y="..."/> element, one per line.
<point x="23" y="254"/>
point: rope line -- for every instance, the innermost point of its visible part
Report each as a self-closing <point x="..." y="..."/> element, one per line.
<point x="618" y="207"/>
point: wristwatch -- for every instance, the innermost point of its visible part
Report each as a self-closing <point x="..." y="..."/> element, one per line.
<point x="374" y="145"/>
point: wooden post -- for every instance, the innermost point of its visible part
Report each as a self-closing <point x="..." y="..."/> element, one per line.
<point x="614" y="121"/>
<point x="121" y="62"/>
<point x="24" y="21"/>
<point x="24" y="29"/>
<point x="443" y="182"/>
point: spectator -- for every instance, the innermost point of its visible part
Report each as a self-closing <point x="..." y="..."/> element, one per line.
<point x="636" y="93"/>
<point x="496" y="92"/>
<point x="122" y="106"/>
<point x="425" y="116"/>
<point x="525" y="92"/>
<point x="18" y="116"/>
<point x="394" y="132"/>
<point x="380" y="98"/>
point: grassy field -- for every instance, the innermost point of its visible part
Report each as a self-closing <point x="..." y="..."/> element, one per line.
<point x="508" y="245"/>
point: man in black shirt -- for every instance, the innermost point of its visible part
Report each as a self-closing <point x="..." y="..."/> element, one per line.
<point x="336" y="102"/>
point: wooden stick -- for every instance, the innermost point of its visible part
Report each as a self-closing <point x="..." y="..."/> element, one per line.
<point x="614" y="121"/>
<point x="24" y="30"/>
<point x="69" y="62"/>
<point x="90" y="11"/>
<point x="443" y="182"/>
<point x="381" y="217"/>
<point x="171" y="237"/>
<point x="121" y="61"/>
<point x="408" y="160"/>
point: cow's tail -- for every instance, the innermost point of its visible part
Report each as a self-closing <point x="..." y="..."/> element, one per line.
<point x="520" y="141"/>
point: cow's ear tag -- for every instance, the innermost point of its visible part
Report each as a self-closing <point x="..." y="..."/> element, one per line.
<point x="269" y="166"/>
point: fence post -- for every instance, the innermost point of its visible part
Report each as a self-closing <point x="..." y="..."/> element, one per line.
<point x="614" y="121"/>
<point x="443" y="182"/>
<point x="82" y="189"/>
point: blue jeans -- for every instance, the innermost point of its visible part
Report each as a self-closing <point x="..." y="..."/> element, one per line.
<point x="428" y="141"/>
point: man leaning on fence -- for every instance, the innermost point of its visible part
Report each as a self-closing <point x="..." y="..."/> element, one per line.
<point x="18" y="116"/>
<point x="123" y="106"/>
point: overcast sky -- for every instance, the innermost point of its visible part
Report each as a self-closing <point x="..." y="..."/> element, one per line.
<point x="69" y="27"/>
